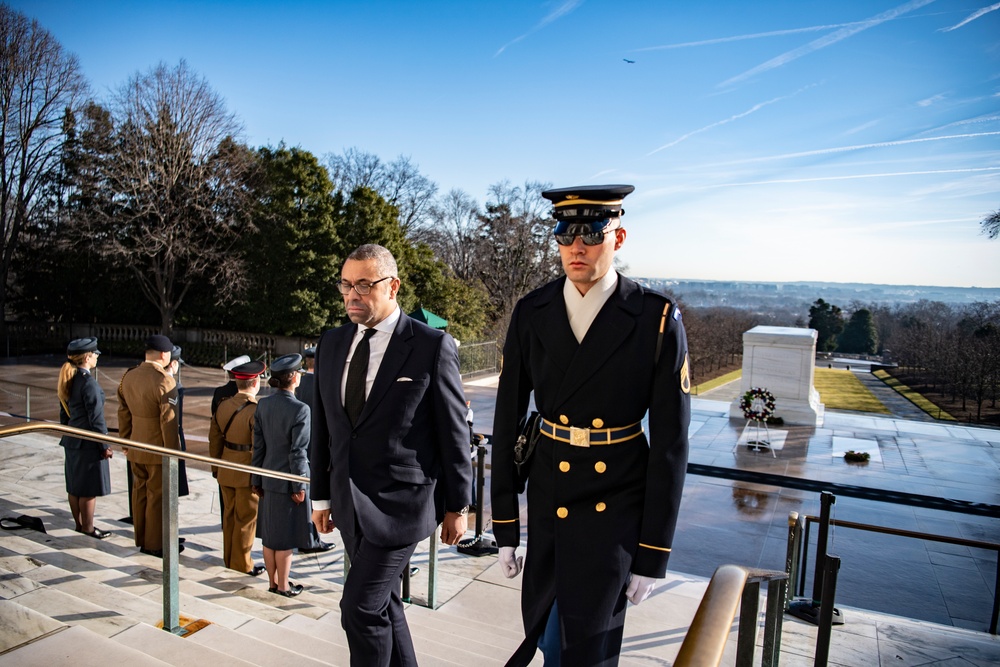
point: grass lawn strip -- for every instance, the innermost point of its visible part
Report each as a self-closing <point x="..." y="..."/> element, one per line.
<point x="841" y="390"/>
<point x="912" y="396"/>
<point x="717" y="382"/>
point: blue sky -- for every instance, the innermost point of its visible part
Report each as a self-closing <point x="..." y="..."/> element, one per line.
<point x="771" y="141"/>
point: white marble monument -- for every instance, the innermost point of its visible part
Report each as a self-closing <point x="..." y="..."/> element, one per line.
<point x="782" y="360"/>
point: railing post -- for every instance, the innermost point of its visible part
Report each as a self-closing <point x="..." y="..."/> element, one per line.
<point x="171" y="551"/>
<point x="792" y="556"/>
<point x="827" y="499"/>
<point x="746" y="637"/>
<point x="996" y="599"/>
<point x="831" y="566"/>
<point x="432" y="571"/>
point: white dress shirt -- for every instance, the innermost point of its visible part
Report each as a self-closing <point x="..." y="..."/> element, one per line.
<point x="582" y="309"/>
<point x="378" y="344"/>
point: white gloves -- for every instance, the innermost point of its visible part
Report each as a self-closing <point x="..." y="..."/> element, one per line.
<point x="639" y="588"/>
<point x="510" y="565"/>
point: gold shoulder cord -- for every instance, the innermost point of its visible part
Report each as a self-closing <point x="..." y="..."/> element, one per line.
<point x="659" y="339"/>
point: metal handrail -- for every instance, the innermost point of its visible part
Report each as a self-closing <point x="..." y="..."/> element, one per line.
<point x="17" y="429"/>
<point x="708" y="633"/>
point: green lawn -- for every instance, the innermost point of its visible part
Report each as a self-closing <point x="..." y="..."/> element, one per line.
<point x="915" y="398"/>
<point x="717" y="382"/>
<point x="841" y="390"/>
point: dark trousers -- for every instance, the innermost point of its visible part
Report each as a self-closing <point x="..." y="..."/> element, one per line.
<point x="371" y="609"/>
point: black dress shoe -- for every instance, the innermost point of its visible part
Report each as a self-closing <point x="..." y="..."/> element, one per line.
<point x="323" y="547"/>
<point x="272" y="589"/>
<point x="98" y="534"/>
<point x="257" y="570"/>
<point x="159" y="552"/>
<point x="293" y="590"/>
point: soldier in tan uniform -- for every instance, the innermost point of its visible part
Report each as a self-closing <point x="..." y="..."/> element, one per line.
<point x="147" y="401"/>
<point x="230" y="438"/>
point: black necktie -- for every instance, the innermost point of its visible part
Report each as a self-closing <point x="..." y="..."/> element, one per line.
<point x="357" y="374"/>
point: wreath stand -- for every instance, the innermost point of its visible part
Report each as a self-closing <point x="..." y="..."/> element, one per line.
<point x="757" y="405"/>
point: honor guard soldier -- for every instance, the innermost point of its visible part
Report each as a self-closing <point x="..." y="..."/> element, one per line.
<point x="147" y="412"/>
<point x="230" y="438"/>
<point x="599" y="352"/>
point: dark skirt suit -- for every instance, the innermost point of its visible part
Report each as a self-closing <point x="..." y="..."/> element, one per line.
<point x="87" y="473"/>
<point x="281" y="443"/>
<point x="595" y="513"/>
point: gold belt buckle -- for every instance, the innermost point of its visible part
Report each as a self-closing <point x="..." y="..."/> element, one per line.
<point x="579" y="437"/>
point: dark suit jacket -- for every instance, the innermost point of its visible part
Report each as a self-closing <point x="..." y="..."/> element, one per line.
<point x="281" y="441"/>
<point x="86" y="411"/>
<point x="407" y="459"/>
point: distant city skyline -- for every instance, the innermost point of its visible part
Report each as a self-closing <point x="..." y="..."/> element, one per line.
<point x="768" y="142"/>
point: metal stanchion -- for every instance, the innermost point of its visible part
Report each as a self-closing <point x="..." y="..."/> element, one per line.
<point x="831" y="566"/>
<point x="480" y="545"/>
<point x="27" y="404"/>
<point x="808" y="610"/>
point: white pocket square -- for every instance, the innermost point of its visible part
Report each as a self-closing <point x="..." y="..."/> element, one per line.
<point x="404" y="379"/>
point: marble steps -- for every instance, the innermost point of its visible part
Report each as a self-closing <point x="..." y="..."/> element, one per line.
<point x="80" y="647"/>
<point x="175" y="650"/>
<point x="430" y="644"/>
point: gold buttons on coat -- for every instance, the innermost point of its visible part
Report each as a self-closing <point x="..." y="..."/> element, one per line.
<point x="564" y="466"/>
<point x="600" y="466"/>
<point x="562" y="512"/>
<point x="600" y="507"/>
<point x="598" y="423"/>
<point x="563" y="419"/>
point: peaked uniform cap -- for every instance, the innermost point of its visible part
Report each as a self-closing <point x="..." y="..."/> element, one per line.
<point x="81" y="345"/>
<point x="175" y="354"/>
<point x="289" y="362"/>
<point x="249" y="370"/>
<point x="233" y="363"/>
<point x="585" y="203"/>
<point x="309" y="352"/>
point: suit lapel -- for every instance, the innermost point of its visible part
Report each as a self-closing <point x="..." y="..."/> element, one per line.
<point x="395" y="356"/>
<point x="340" y="340"/>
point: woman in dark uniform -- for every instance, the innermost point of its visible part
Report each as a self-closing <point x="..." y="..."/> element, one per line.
<point x="281" y="443"/>
<point x="81" y="402"/>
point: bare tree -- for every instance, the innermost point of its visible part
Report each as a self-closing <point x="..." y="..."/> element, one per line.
<point x="39" y="82"/>
<point x="399" y="182"/>
<point x="181" y="188"/>
<point x="453" y="233"/>
<point x="991" y="224"/>
<point x="515" y="247"/>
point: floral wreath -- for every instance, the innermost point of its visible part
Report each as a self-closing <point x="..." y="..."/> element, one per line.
<point x="757" y="404"/>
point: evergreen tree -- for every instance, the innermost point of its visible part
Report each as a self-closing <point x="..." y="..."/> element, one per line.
<point x="860" y="335"/>
<point x="828" y="321"/>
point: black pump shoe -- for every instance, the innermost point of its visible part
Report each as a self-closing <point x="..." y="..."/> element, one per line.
<point x="293" y="590"/>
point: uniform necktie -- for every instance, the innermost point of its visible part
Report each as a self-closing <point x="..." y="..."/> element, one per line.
<point x="357" y="375"/>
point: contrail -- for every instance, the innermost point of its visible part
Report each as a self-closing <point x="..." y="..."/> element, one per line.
<point x="757" y="35"/>
<point x="858" y="147"/>
<point x="756" y="107"/>
<point x="972" y="17"/>
<point x="852" y="177"/>
<point x="557" y="13"/>
<point x="827" y="40"/>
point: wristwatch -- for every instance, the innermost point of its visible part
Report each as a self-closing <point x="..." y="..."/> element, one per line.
<point x="463" y="511"/>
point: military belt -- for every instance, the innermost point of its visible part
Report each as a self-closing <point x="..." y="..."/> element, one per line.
<point x="590" y="437"/>
<point x="237" y="448"/>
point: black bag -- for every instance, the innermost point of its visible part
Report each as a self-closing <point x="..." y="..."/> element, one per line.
<point x="23" y="521"/>
<point x="524" y="447"/>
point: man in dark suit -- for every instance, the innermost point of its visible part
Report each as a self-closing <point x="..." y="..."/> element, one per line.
<point x="599" y="352"/>
<point x="389" y="453"/>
